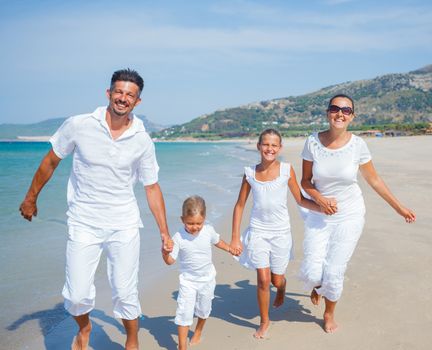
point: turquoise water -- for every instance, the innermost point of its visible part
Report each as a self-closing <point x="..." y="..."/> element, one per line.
<point x="32" y="254"/>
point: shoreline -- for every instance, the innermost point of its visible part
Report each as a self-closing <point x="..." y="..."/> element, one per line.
<point x="36" y="139"/>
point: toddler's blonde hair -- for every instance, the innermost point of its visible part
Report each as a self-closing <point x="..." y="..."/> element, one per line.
<point x="194" y="205"/>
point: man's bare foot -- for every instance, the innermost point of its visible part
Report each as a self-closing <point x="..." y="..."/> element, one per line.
<point x="131" y="345"/>
<point x="261" y="332"/>
<point x="80" y="342"/>
<point x="330" y="326"/>
<point x="196" y="339"/>
<point x="280" y="296"/>
<point x="131" y="348"/>
<point x="315" y="297"/>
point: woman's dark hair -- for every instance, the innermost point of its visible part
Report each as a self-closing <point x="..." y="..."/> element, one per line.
<point x="269" y="132"/>
<point x="127" y="75"/>
<point x="342" y="96"/>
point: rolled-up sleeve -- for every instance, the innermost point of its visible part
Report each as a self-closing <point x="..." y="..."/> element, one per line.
<point x="148" y="168"/>
<point x="62" y="141"/>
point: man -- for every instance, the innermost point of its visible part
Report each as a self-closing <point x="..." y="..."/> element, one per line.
<point x="111" y="151"/>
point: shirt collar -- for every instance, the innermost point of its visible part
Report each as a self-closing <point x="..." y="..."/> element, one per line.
<point x="136" y="127"/>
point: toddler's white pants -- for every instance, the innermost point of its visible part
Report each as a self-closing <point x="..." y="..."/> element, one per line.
<point x="194" y="298"/>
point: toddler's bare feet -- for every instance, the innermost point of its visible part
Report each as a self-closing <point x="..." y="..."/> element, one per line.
<point x="261" y="332"/>
<point x="196" y="339"/>
<point x="330" y="326"/>
<point x="315" y="297"/>
<point x="280" y="296"/>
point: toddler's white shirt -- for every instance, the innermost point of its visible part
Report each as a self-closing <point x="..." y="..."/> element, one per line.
<point x="194" y="253"/>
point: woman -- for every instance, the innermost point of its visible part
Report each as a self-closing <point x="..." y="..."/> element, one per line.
<point x="331" y="160"/>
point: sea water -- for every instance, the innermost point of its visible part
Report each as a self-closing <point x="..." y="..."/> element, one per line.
<point x="32" y="254"/>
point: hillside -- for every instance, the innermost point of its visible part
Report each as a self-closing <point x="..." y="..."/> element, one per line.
<point x="392" y="98"/>
<point x="48" y="127"/>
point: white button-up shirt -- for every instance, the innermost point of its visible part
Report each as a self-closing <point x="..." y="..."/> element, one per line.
<point x="104" y="171"/>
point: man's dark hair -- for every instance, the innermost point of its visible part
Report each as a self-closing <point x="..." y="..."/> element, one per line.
<point x="127" y="75"/>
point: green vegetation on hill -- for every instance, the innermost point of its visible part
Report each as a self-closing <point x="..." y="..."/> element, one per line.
<point x="393" y="101"/>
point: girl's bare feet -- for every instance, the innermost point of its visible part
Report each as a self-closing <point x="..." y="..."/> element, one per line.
<point x="315" y="297"/>
<point x="330" y="326"/>
<point x="261" y="332"/>
<point x="196" y="339"/>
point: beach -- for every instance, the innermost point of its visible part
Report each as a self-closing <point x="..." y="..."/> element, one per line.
<point x="387" y="291"/>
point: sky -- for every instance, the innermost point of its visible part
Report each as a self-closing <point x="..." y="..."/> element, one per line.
<point x="58" y="56"/>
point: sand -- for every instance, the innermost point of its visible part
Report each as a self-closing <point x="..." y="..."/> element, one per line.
<point x="386" y="303"/>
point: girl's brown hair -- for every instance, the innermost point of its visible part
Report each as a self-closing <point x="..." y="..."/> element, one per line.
<point x="269" y="132"/>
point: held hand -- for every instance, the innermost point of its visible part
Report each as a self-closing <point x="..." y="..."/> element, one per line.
<point x="235" y="248"/>
<point x="28" y="209"/>
<point x="328" y="205"/>
<point x="167" y="244"/>
<point x="408" y="214"/>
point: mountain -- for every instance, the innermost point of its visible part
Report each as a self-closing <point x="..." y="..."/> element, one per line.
<point x="392" y="98"/>
<point x="48" y="127"/>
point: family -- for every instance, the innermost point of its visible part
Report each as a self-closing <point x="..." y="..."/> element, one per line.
<point x="112" y="151"/>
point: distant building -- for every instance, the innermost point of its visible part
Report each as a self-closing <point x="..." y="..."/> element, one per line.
<point x="372" y="132"/>
<point x="393" y="133"/>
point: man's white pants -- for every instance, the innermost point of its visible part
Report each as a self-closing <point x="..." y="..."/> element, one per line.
<point x="83" y="252"/>
<point x="194" y="298"/>
<point x="327" y="249"/>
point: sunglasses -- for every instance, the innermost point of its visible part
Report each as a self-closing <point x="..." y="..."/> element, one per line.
<point x="336" y="109"/>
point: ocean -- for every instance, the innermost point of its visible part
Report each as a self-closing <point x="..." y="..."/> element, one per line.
<point x="32" y="254"/>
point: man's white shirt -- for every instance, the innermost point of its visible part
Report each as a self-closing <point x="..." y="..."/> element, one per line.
<point x="104" y="171"/>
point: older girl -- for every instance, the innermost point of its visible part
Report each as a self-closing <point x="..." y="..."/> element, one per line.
<point x="267" y="241"/>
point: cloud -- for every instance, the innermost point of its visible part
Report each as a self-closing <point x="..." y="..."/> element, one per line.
<point x="59" y="56"/>
<point x="303" y="32"/>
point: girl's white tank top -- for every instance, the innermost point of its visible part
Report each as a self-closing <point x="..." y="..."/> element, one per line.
<point x="269" y="211"/>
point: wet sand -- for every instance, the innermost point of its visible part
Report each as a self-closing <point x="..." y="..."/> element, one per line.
<point x="387" y="292"/>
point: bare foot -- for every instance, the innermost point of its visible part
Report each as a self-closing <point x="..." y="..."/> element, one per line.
<point x="261" y="332"/>
<point x="196" y="339"/>
<point x="330" y="326"/>
<point x="80" y="342"/>
<point x="280" y="296"/>
<point x="315" y="297"/>
<point x="132" y="346"/>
